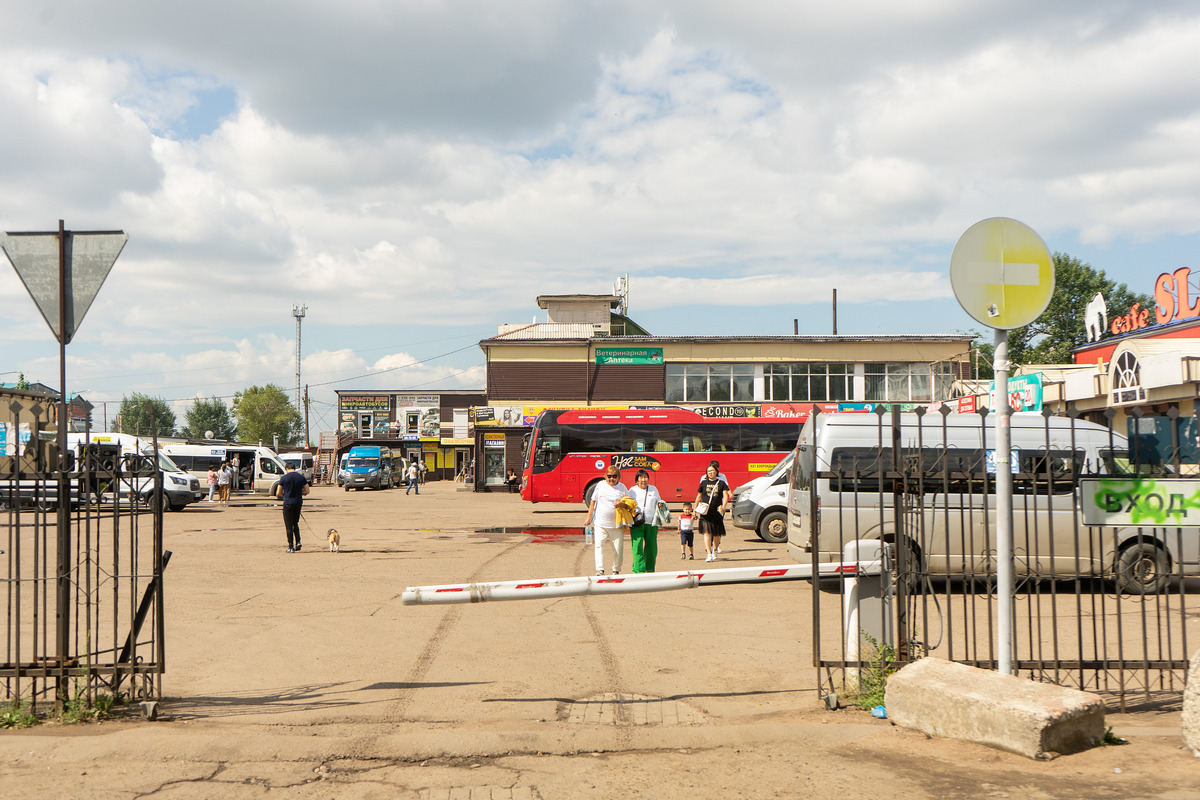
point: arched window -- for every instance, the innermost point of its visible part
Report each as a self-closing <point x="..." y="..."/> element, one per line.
<point x="1127" y="380"/>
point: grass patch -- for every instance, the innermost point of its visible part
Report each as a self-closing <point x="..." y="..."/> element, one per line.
<point x="17" y="715"/>
<point x="881" y="662"/>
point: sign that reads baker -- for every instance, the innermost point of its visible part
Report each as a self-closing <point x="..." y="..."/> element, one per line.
<point x="365" y="402"/>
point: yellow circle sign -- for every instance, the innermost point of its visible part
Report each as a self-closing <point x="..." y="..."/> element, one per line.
<point x="1002" y="273"/>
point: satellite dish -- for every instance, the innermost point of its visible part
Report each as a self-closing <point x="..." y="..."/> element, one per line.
<point x="208" y="434"/>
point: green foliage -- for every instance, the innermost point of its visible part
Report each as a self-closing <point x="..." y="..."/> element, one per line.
<point x="872" y="679"/>
<point x="16" y="715"/>
<point x="264" y="412"/>
<point x="22" y="381"/>
<point x="77" y="708"/>
<point x="209" y="415"/>
<point x="1111" y="739"/>
<point x="133" y="417"/>
<point x="1050" y="338"/>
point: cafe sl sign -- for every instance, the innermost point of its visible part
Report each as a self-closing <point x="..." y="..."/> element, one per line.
<point x="1172" y="297"/>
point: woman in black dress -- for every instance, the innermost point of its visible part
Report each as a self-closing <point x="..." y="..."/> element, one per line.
<point x="715" y="492"/>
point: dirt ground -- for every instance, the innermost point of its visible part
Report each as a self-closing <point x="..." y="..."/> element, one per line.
<point x="302" y="676"/>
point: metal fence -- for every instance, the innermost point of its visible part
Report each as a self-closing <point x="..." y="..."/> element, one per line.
<point x="1102" y="607"/>
<point x="83" y="565"/>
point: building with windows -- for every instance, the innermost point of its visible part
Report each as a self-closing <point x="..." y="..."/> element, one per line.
<point x="431" y="425"/>
<point x="588" y="354"/>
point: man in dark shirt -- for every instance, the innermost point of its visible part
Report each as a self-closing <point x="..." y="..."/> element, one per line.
<point x="292" y="487"/>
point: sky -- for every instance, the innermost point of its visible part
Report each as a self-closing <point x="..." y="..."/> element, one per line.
<point x="417" y="173"/>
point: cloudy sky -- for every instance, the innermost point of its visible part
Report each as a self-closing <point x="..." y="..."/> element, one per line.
<point x="418" y="172"/>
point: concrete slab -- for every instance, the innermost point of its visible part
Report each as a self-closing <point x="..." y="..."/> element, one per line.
<point x="1036" y="720"/>
<point x="1191" y="707"/>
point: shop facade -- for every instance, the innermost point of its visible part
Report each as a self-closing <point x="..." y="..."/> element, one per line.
<point x="574" y="361"/>
<point x="432" y="426"/>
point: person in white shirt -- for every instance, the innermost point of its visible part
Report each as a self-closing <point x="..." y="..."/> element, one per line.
<point x="604" y="511"/>
<point x="413" y="472"/>
<point x="643" y="539"/>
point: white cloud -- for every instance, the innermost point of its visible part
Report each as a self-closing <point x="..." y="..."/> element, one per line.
<point x="433" y="167"/>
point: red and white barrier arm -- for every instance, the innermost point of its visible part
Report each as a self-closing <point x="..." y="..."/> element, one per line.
<point x="628" y="584"/>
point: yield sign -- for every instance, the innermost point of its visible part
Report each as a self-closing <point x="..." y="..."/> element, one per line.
<point x="88" y="256"/>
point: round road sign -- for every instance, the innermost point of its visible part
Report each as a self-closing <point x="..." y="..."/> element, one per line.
<point x="1002" y="273"/>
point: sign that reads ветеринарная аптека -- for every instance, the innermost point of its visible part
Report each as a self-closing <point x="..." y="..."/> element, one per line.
<point x="629" y="355"/>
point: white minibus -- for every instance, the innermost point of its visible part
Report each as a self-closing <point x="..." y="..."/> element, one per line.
<point x="301" y="460"/>
<point x="257" y="467"/>
<point x="844" y="458"/>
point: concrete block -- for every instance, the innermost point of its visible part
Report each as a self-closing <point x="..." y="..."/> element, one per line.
<point x="1037" y="720"/>
<point x="1191" y="707"/>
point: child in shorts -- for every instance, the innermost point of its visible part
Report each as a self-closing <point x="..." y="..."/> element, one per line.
<point x="686" y="532"/>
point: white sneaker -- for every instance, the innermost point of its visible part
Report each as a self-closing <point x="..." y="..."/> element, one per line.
<point x="599" y="572"/>
<point x="718" y="548"/>
<point x="710" y="557"/>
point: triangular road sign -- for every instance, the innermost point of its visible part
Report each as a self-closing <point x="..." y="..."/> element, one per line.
<point x="90" y="256"/>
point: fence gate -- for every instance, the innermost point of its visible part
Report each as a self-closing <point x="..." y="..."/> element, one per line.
<point x="83" y="565"/>
<point x="1103" y="608"/>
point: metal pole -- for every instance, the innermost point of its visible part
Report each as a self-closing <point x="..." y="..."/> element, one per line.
<point x="63" y="597"/>
<point x="1004" y="510"/>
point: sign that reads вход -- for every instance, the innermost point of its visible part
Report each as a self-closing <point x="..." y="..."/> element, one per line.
<point x="1173" y="502"/>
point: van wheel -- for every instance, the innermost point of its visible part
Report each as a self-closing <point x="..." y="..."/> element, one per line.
<point x="1143" y="568"/>
<point x="588" y="492"/>
<point x="773" y="527"/>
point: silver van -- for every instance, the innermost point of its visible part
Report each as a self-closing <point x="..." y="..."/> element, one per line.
<point x="761" y="505"/>
<point x="847" y="462"/>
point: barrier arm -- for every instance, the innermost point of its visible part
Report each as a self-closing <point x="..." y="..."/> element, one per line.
<point x="633" y="584"/>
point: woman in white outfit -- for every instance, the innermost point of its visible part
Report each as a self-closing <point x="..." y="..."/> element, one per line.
<point x="603" y="511"/>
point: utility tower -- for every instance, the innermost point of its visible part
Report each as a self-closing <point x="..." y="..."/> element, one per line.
<point x="298" y="313"/>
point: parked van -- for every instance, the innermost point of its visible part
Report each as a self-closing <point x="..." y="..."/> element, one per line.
<point x="368" y="466"/>
<point x="258" y="468"/>
<point x="341" y="470"/>
<point x="957" y="520"/>
<point x="302" y="461"/>
<point x="761" y="505"/>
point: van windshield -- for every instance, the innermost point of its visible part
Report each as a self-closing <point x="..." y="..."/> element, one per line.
<point x="363" y="463"/>
<point x="781" y="467"/>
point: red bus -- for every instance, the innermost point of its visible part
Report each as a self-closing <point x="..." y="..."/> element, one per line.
<point x="569" y="450"/>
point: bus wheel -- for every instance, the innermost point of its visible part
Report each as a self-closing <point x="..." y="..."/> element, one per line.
<point x="773" y="528"/>
<point x="587" y="493"/>
<point x="1143" y="568"/>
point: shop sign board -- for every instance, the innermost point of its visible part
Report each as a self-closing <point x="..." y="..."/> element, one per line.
<point x="418" y="401"/>
<point x="365" y="402"/>
<point x="1024" y="392"/>
<point x="728" y="412"/>
<point x="458" y="442"/>
<point x="629" y="355"/>
<point x="1140" y="501"/>
<point x="500" y="416"/>
<point x="493" y="440"/>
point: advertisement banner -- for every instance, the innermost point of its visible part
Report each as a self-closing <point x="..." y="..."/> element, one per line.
<point x="728" y="412"/>
<point x="500" y="417"/>
<point x="417" y="401"/>
<point x="1024" y="392"/>
<point x="366" y="402"/>
<point x="629" y="355"/>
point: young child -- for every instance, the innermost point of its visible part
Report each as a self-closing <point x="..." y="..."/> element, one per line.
<point x="686" y="534"/>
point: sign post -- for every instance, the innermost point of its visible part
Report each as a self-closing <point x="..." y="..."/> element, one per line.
<point x="62" y="271"/>
<point x="1003" y="276"/>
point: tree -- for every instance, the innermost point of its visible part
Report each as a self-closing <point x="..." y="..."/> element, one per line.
<point x="209" y="415"/>
<point x="132" y="416"/>
<point x="264" y="412"/>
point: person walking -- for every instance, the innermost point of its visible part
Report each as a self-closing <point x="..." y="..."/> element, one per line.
<point x="643" y="538"/>
<point x="413" y="473"/>
<point x="712" y="497"/>
<point x="291" y="489"/>
<point x="603" y="511"/>
<point x="212" y="484"/>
